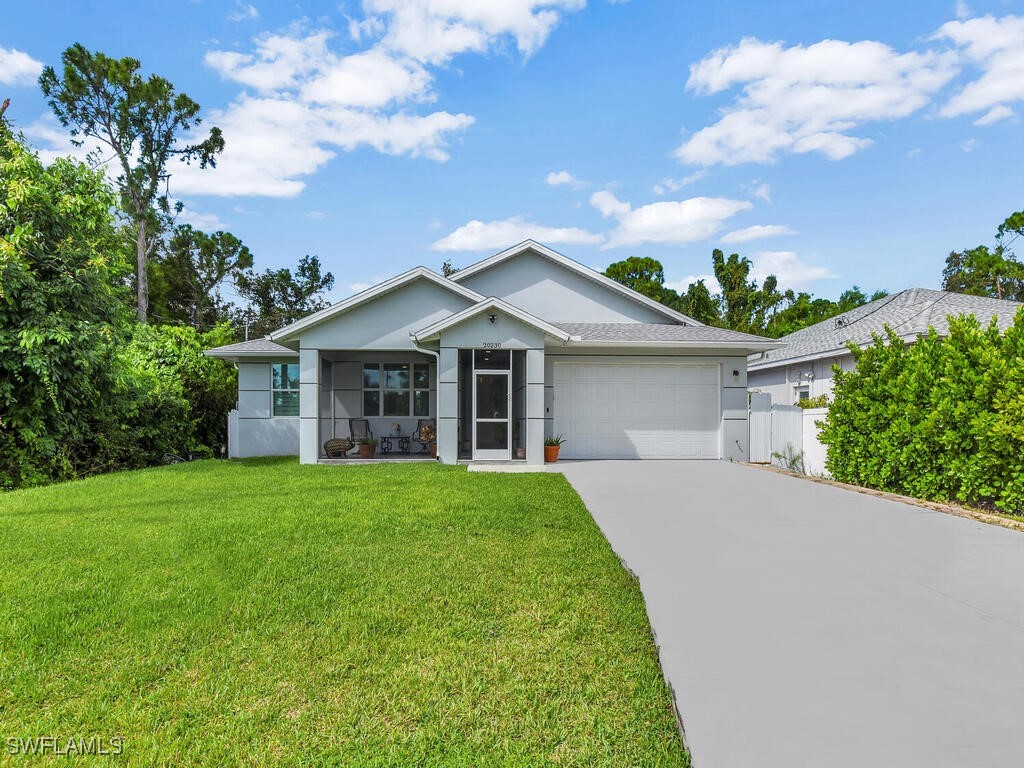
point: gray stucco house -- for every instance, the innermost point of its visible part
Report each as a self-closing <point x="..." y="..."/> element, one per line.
<point x="521" y="345"/>
<point x="802" y="367"/>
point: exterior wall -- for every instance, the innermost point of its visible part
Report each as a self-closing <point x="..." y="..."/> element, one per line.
<point x="734" y="433"/>
<point x="386" y="322"/>
<point x="782" y="382"/>
<point x="309" y="406"/>
<point x="479" y="332"/>
<point x="259" y="433"/>
<point x="554" y="293"/>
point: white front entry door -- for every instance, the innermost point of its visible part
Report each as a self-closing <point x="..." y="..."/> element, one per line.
<point x="492" y="405"/>
<point x="637" y="410"/>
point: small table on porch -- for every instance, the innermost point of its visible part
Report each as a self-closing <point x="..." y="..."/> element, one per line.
<point x="386" y="445"/>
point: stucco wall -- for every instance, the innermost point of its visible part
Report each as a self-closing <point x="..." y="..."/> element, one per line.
<point x="386" y="322"/>
<point x="552" y="292"/>
<point x="259" y="433"/>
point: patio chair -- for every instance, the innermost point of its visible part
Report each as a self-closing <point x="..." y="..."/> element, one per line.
<point x="417" y="436"/>
<point x="358" y="429"/>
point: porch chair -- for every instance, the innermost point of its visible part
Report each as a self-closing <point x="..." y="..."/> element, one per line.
<point x="358" y="429"/>
<point x="417" y="436"/>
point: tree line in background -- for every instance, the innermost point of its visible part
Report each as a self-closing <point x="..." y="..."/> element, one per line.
<point x="106" y="302"/>
<point x="768" y="310"/>
<point x="742" y="305"/>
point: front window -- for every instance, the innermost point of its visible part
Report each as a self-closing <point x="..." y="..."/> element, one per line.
<point x="396" y="389"/>
<point x="802" y="393"/>
<point x="284" y="389"/>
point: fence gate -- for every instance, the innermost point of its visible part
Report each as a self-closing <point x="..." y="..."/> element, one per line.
<point x="760" y="428"/>
<point x="773" y="429"/>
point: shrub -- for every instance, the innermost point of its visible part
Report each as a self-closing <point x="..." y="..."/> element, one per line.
<point x="941" y="419"/>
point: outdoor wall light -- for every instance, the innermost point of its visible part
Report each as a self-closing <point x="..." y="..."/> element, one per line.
<point x="492" y="317"/>
<point x="735" y="372"/>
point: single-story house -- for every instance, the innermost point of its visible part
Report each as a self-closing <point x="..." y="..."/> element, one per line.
<point x="523" y="345"/>
<point x="802" y="367"/>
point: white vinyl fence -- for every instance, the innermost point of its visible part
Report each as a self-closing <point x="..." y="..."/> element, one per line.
<point x="785" y="434"/>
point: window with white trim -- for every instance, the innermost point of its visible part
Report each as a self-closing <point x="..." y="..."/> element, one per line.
<point x="284" y="389"/>
<point x="396" y="389"/>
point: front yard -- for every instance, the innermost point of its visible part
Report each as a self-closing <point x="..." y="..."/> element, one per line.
<point x="262" y="612"/>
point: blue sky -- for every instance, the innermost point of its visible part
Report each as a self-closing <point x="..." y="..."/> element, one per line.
<point x="831" y="143"/>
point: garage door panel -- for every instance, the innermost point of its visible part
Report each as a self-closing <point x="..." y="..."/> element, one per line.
<point x="637" y="410"/>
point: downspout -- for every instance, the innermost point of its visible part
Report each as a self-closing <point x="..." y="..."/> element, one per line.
<point x="437" y="367"/>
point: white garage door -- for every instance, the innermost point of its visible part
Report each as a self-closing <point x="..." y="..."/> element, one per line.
<point x="637" y="410"/>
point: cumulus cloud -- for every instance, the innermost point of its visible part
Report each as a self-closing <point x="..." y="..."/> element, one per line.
<point x="207" y="222"/>
<point x="681" y="286"/>
<point x="996" y="47"/>
<point x="18" y="68"/>
<point x="757" y="232"/>
<point x="560" y="178"/>
<point x="494" y="235"/>
<point x="434" y="31"/>
<point x="682" y="221"/>
<point x="801" y="99"/>
<point x="792" y="271"/>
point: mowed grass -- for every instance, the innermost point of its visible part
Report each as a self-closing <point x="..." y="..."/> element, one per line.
<point x="264" y="613"/>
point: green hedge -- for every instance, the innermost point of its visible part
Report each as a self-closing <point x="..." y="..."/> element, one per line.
<point x="941" y="419"/>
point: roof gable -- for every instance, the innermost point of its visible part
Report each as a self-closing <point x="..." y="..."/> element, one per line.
<point x="652" y="311"/>
<point x="419" y="273"/>
<point x="434" y="330"/>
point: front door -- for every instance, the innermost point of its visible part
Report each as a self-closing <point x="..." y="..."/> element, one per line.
<point x="492" y="405"/>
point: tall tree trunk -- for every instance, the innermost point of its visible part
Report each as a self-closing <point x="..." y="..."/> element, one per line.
<point x="142" y="280"/>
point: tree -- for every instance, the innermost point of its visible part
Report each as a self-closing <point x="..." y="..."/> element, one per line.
<point x="447" y="268"/>
<point x="142" y="121"/>
<point x="982" y="271"/>
<point x="61" y="311"/>
<point x="699" y="304"/>
<point x="746" y="307"/>
<point x="190" y="271"/>
<point x="278" y="297"/>
<point x="643" y="274"/>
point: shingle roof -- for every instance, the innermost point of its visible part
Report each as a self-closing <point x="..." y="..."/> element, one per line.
<point x="655" y="332"/>
<point x="909" y="313"/>
<point x="252" y="347"/>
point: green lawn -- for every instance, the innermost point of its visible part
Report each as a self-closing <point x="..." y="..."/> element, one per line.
<point x="261" y="612"/>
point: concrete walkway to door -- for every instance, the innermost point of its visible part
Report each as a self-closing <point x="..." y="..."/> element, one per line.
<point x="806" y="625"/>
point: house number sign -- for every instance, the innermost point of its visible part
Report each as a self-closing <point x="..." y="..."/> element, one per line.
<point x="492" y="345"/>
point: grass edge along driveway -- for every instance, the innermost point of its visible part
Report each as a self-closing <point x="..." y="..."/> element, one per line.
<point x="264" y="612"/>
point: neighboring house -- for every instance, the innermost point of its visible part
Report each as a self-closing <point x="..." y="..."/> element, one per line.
<point x="802" y="368"/>
<point x="520" y="346"/>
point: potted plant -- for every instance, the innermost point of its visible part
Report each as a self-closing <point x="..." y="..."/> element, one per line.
<point x="367" y="447"/>
<point x="551" y="447"/>
<point x="428" y="434"/>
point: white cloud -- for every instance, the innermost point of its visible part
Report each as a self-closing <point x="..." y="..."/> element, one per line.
<point x="963" y="10"/>
<point x="994" y="115"/>
<point x="757" y="232"/>
<point x="243" y="12"/>
<point x="681" y="286"/>
<point x="316" y="215"/>
<point x="559" y="178"/>
<point x="18" y="68"/>
<point x="970" y="145"/>
<point x="914" y="152"/>
<point x="494" y="235"/>
<point x="789" y="268"/>
<point x="432" y="31"/>
<point x="807" y="98"/>
<point x="996" y="47"/>
<point x="762" y="192"/>
<point x="674" y="185"/>
<point x="206" y="222"/>
<point x="683" y="221"/>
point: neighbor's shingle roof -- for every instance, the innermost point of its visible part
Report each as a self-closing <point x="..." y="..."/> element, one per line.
<point x="655" y="332"/>
<point x="252" y="347"/>
<point x="909" y="313"/>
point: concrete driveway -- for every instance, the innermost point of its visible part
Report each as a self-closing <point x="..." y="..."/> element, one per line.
<point x="806" y="625"/>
